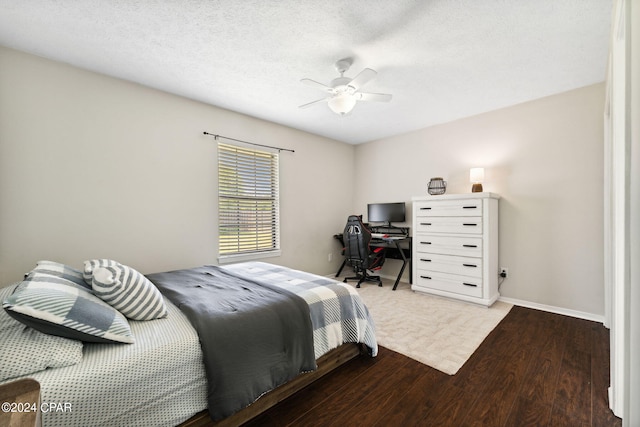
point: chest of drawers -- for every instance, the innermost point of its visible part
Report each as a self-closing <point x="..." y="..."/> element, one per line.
<point x="455" y="246"/>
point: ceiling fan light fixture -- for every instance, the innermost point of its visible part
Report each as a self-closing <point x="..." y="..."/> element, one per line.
<point x="342" y="103"/>
<point x="344" y="92"/>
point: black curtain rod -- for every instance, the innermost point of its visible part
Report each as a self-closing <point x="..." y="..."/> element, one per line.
<point x="247" y="142"/>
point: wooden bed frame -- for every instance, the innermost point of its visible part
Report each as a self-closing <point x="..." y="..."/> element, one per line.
<point x="327" y="363"/>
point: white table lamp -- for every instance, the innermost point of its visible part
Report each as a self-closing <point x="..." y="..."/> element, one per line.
<point x="476" y="177"/>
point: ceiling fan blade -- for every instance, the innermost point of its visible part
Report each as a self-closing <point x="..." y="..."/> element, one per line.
<point x="364" y="76"/>
<point x="379" y="97"/>
<point x="313" y="102"/>
<point x="317" y="85"/>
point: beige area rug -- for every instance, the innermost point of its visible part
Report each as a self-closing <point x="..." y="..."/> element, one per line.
<point x="438" y="332"/>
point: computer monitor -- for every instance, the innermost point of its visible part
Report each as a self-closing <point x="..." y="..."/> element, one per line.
<point x="386" y="212"/>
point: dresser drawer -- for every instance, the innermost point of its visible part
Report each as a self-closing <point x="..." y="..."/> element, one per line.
<point x="470" y="207"/>
<point x="446" y="245"/>
<point x="465" y="266"/>
<point x="455" y="225"/>
<point x="450" y="283"/>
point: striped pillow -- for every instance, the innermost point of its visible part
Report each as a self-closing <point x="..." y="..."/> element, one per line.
<point x="92" y="264"/>
<point x="56" y="306"/>
<point x="128" y="291"/>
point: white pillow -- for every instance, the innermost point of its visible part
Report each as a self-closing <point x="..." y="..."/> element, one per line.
<point x="26" y="351"/>
<point x="129" y="292"/>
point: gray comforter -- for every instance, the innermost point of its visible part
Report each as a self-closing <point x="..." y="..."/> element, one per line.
<point x="254" y="337"/>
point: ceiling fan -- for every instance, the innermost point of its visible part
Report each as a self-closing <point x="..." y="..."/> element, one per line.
<point x="344" y="92"/>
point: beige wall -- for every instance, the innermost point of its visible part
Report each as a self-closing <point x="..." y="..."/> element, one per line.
<point x="92" y="166"/>
<point x="545" y="159"/>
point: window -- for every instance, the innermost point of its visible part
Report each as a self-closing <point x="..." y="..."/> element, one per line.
<point x="248" y="212"/>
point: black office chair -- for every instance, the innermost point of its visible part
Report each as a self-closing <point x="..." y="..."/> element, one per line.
<point x="358" y="254"/>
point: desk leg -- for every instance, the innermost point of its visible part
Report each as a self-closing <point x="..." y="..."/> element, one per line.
<point x="404" y="264"/>
<point x="341" y="267"/>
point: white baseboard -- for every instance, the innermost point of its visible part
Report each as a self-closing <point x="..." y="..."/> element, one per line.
<point x="554" y="309"/>
<point x="528" y="304"/>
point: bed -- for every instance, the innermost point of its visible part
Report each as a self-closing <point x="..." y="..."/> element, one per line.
<point x="163" y="379"/>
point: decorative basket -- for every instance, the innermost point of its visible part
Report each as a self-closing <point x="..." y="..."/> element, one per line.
<point x="437" y="186"/>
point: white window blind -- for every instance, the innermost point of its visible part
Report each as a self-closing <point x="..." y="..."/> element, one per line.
<point x="248" y="211"/>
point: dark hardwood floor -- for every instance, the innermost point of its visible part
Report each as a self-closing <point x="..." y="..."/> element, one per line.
<point x="534" y="369"/>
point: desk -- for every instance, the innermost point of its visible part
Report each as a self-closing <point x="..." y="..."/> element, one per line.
<point x="395" y="249"/>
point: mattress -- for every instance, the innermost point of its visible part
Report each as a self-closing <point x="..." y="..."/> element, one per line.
<point x="158" y="381"/>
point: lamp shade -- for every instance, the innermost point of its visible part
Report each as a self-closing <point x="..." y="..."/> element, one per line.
<point x="342" y="103"/>
<point x="476" y="175"/>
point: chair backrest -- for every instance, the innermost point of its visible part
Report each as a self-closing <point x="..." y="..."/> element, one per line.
<point x="356" y="242"/>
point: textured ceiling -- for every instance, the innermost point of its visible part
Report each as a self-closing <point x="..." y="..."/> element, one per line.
<point x="441" y="59"/>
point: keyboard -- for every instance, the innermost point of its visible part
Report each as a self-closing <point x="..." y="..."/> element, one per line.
<point x="385" y="236"/>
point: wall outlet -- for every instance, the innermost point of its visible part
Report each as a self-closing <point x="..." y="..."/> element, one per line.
<point x="504" y="272"/>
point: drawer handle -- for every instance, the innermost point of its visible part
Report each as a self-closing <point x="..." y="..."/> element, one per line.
<point x="469" y="265"/>
<point x="470" y="284"/>
<point x="469" y="246"/>
<point x="425" y="223"/>
<point x="425" y="209"/>
<point x="425" y="243"/>
<point x="425" y="260"/>
<point x="425" y="277"/>
<point x="470" y="224"/>
<point x="469" y="207"/>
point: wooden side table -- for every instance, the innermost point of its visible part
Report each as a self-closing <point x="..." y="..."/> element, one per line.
<point x="20" y="402"/>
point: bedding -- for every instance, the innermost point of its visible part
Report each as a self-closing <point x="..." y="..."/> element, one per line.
<point x="92" y="264"/>
<point x="124" y="288"/>
<point x="58" y="306"/>
<point x="337" y="313"/>
<point x="25" y="350"/>
<point x="129" y="292"/>
<point x="160" y="379"/>
<point x="254" y="337"/>
<point x="54" y="268"/>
